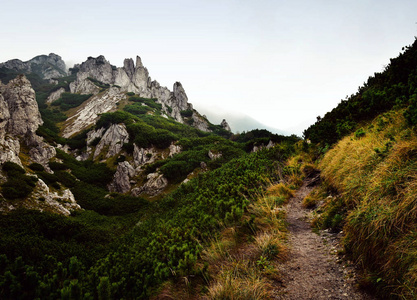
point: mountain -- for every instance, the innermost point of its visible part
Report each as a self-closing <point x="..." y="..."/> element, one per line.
<point x="102" y="169"/>
<point x="115" y="187"/>
<point x="142" y="137"/>
<point x="45" y="66"/>
<point x="98" y="113"/>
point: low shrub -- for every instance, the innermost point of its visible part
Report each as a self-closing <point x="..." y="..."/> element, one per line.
<point x="18" y="185"/>
<point x="69" y="100"/>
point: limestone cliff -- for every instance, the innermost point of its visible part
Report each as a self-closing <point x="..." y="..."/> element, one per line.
<point x="19" y="120"/>
<point x="88" y="114"/>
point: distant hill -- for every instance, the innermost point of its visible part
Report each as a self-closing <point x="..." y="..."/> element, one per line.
<point x="238" y="122"/>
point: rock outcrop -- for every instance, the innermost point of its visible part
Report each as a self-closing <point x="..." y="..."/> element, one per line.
<point x="55" y="95"/>
<point x="225" y="125"/>
<point x="143" y="156"/>
<point x="113" y="140"/>
<point x="62" y="203"/>
<point x="19" y="120"/>
<point x="121" y="179"/>
<point x="262" y="146"/>
<point x="84" y="86"/>
<point x="214" y="155"/>
<point x="136" y="79"/>
<point x="25" y="117"/>
<point x="89" y="112"/>
<point x="46" y="66"/>
<point x="154" y="185"/>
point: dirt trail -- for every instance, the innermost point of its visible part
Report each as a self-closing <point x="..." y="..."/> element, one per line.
<point x="313" y="271"/>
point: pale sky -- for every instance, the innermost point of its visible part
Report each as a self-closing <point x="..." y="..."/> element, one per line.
<point x="281" y="62"/>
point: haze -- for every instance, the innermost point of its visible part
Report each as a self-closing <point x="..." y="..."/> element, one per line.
<point x="282" y="63"/>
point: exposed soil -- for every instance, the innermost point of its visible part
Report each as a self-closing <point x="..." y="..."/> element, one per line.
<point x="313" y="269"/>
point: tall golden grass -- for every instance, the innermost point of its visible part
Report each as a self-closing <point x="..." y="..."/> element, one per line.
<point x="376" y="176"/>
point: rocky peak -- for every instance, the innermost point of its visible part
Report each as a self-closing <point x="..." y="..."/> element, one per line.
<point x="136" y="79"/>
<point x="46" y="66"/>
<point x="98" y="68"/>
<point x="139" y="62"/>
<point x="225" y="125"/>
<point x="180" y="95"/>
<point x="129" y="67"/>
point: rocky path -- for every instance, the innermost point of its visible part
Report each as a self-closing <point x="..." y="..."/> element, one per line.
<point x="312" y="271"/>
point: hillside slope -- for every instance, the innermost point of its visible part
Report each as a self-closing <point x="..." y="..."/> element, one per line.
<point x="110" y="187"/>
<point x="371" y="178"/>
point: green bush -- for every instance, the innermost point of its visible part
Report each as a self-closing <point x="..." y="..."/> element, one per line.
<point x="410" y="113"/>
<point x="137" y="109"/>
<point x="69" y="100"/>
<point x="359" y="133"/>
<point x="36" y="167"/>
<point x="56" y="166"/>
<point x="107" y="119"/>
<point x="13" y="169"/>
<point x="186" y="113"/>
<point x="18" y="185"/>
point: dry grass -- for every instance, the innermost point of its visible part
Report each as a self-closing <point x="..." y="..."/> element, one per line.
<point x="314" y="198"/>
<point x="376" y="177"/>
<point x="280" y="190"/>
<point x="240" y="279"/>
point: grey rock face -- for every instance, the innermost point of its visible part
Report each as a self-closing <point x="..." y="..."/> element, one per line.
<point x="89" y="113"/>
<point x="82" y="85"/>
<point x="98" y="68"/>
<point x="174" y="149"/>
<point x="4" y="114"/>
<point x="225" y="125"/>
<point x="62" y="203"/>
<point x="9" y="150"/>
<point x="142" y="156"/>
<point x="55" y="95"/>
<point x="25" y="117"/>
<point x="121" y="179"/>
<point x="200" y="122"/>
<point x="43" y="199"/>
<point x="19" y="120"/>
<point x="46" y="66"/>
<point x="214" y="156"/>
<point x="155" y="184"/>
<point x="113" y="139"/>
<point x="262" y="146"/>
<point x="41" y="152"/>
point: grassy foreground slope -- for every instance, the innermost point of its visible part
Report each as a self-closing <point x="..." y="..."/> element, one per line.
<point x="93" y="256"/>
<point x="374" y="172"/>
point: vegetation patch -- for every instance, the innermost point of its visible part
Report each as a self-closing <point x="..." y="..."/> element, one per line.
<point x="377" y="202"/>
<point x="69" y="100"/>
<point x="18" y="185"/>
